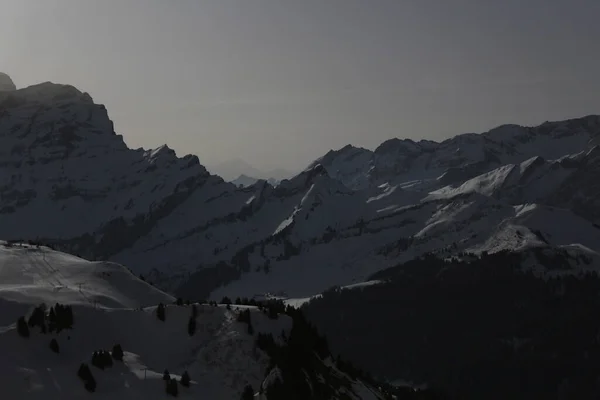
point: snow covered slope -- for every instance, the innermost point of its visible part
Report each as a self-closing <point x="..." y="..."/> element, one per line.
<point x="30" y="275"/>
<point x="569" y="182"/>
<point x="461" y="157"/>
<point x="68" y="179"/>
<point x="221" y="356"/>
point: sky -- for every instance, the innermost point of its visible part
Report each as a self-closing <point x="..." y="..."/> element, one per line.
<point x="278" y="83"/>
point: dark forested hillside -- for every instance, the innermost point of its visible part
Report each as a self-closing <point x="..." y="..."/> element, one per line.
<point x="483" y="328"/>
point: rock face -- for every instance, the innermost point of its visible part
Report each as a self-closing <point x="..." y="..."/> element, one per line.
<point x="459" y="158"/>
<point x="67" y="178"/>
<point x="6" y="84"/>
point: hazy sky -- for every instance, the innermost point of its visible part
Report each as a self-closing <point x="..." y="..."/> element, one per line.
<point x="279" y="82"/>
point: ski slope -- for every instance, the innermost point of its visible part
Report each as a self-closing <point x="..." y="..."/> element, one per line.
<point x="31" y="275"/>
<point x="112" y="306"/>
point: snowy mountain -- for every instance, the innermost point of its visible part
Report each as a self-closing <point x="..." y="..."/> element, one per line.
<point x="461" y="157"/>
<point x="245" y="181"/>
<point x="111" y="306"/>
<point x="69" y="180"/>
<point x="232" y="169"/>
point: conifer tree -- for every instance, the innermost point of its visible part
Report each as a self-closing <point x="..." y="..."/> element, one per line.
<point x="54" y="346"/>
<point x="248" y="393"/>
<point x="160" y="312"/>
<point x="172" y="388"/>
<point x="22" y="327"/>
<point x="192" y="326"/>
<point x="51" y="320"/>
<point x="86" y="376"/>
<point x="117" y="352"/>
<point x="185" y="379"/>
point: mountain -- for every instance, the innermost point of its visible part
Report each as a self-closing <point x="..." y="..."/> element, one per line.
<point x="474" y="326"/>
<point x="68" y="179"/>
<point x="233" y="169"/>
<point x="245" y="181"/>
<point x="460" y="158"/>
<point x="480" y="248"/>
<point x="6" y="83"/>
<point x="111" y="306"/>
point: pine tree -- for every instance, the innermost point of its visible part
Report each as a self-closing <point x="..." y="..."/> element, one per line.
<point x="166" y="376"/>
<point x="272" y="314"/>
<point x="90" y="384"/>
<point x="86" y="376"/>
<point x="102" y="359"/>
<point x="69" y="320"/>
<point x="96" y="360"/>
<point x="84" y="371"/>
<point x="107" y="359"/>
<point x="51" y="320"/>
<point x="248" y="393"/>
<point x="179" y="301"/>
<point x="192" y="326"/>
<point x="117" y="352"/>
<point x="185" y="379"/>
<point x="244" y="316"/>
<point x="22" y="327"/>
<point x="172" y="388"/>
<point x="37" y="317"/>
<point x="160" y="312"/>
<point x="54" y="346"/>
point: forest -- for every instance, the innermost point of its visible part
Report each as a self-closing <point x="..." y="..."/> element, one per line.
<point x="481" y="327"/>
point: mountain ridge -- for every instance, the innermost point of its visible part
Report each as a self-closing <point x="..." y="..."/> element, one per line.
<point x="192" y="233"/>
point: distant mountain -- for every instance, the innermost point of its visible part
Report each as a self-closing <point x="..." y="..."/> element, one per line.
<point x="233" y="169"/>
<point x="245" y="181"/>
<point x="6" y="83"/>
<point x="462" y="157"/>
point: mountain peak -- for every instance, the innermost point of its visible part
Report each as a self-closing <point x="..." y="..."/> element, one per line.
<point x="398" y="145"/>
<point x="6" y="84"/>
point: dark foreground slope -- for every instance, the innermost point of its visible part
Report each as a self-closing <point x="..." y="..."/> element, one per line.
<point x="479" y="328"/>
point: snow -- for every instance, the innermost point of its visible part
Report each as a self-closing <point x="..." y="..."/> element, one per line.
<point x="285" y="223"/>
<point x="68" y="177"/>
<point x="33" y="275"/>
<point x="361" y="285"/>
<point x="221" y="357"/>
<point x="113" y="307"/>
